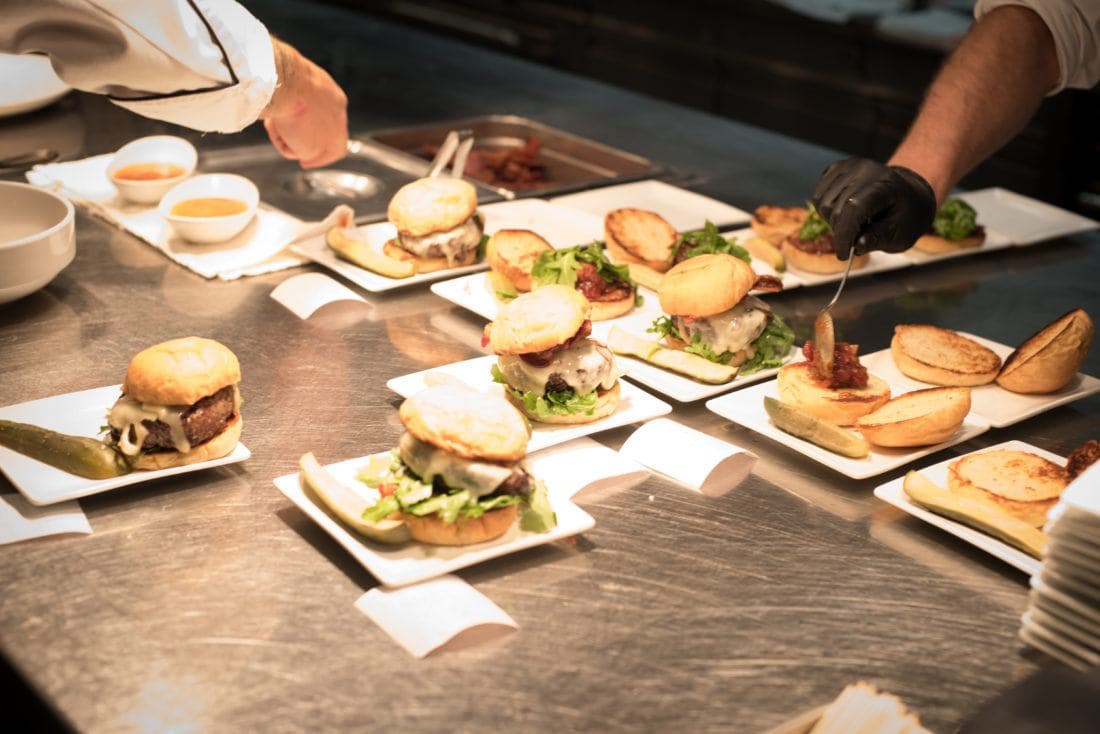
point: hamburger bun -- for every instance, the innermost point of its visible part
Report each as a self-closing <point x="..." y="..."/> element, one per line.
<point x="607" y="401"/>
<point x="1049" y="359"/>
<point x="463" y="531"/>
<point x="941" y="356"/>
<point x="818" y="262"/>
<point x="430" y="205"/>
<point x="639" y="236"/>
<point x="217" y="447"/>
<point x="933" y="244"/>
<point x="466" y="423"/>
<point x="777" y="223"/>
<point x="798" y="387"/>
<point x="539" y="320"/>
<point x="705" y="285"/>
<point x="512" y="253"/>
<point x="180" y="371"/>
<point x="428" y="264"/>
<point x="1023" y="484"/>
<point x="918" y="418"/>
<point x="604" y="310"/>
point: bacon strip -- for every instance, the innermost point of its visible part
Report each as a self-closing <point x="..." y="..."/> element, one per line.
<point x="545" y="357"/>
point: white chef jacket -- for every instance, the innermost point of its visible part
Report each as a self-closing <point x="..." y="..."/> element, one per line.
<point x="204" y="64"/>
<point x="1075" y="26"/>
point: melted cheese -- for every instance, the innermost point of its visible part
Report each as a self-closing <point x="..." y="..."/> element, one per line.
<point x="428" y="462"/>
<point x="584" y="366"/>
<point x="730" y="331"/>
<point x="452" y="243"/>
<point x="128" y="414"/>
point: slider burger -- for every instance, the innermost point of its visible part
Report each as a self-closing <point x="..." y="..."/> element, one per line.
<point x="813" y="249"/>
<point x="455" y="477"/>
<point x="955" y="227"/>
<point x="549" y="367"/>
<point x="839" y="396"/>
<point x="607" y="286"/>
<point x="437" y="224"/>
<point x="712" y="315"/>
<point x="179" y="405"/>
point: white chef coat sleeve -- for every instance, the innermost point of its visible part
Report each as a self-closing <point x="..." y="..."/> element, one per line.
<point x="204" y="64"/>
<point x="1075" y="26"/>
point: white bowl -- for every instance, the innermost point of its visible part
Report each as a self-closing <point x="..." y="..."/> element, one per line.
<point x="29" y="83"/>
<point x="216" y="185"/>
<point x="36" y="238"/>
<point x="153" y="149"/>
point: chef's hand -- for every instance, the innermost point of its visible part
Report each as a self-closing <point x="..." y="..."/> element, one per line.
<point x="307" y="118"/>
<point x="874" y="207"/>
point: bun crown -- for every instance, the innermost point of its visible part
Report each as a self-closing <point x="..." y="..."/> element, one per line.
<point x="705" y="285"/>
<point x="467" y="423"/>
<point x="430" y="205"/>
<point x="1050" y="358"/>
<point x="538" y="320"/>
<point x="181" y="371"/>
<point x="639" y="235"/>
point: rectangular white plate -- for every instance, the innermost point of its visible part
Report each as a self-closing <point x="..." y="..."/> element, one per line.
<point x="682" y="209"/>
<point x="999" y="406"/>
<point x="893" y="493"/>
<point x="994" y="240"/>
<point x="1023" y="220"/>
<point x="635" y="405"/>
<point x="878" y="262"/>
<point x="78" y="414"/>
<point x="746" y="407"/>
<point x="413" y="562"/>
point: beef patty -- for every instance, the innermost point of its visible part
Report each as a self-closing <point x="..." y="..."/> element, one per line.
<point x="201" y="422"/>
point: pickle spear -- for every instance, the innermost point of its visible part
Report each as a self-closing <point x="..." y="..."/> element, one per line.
<point x="798" y="423"/>
<point x="692" y="365"/>
<point x="364" y="256"/>
<point x="80" y="455"/>
<point x="347" y="504"/>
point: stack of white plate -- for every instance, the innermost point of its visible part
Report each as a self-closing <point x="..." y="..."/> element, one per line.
<point x="1063" y="614"/>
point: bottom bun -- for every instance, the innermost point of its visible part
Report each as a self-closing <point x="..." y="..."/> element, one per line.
<point x="604" y="310"/>
<point x="428" y="264"/>
<point x="799" y="388"/>
<point x="933" y="244"/>
<point x="431" y="528"/>
<point x="813" y="262"/>
<point x="215" y="448"/>
<point x="607" y="401"/>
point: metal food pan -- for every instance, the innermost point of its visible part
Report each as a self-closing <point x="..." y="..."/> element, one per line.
<point x="572" y="162"/>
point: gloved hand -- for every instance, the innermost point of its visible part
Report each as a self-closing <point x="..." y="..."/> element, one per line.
<point x="874" y="207"/>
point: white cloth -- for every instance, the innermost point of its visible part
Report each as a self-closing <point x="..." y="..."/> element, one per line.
<point x="1075" y="26"/>
<point x="203" y="64"/>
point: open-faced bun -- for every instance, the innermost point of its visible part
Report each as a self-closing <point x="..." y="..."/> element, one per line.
<point x="1049" y="359"/>
<point x="467" y="423"/>
<point x="639" y="236"/>
<point x="512" y="253"/>
<point x="428" y="264"/>
<point x="819" y="262"/>
<point x="537" y="321"/>
<point x="604" y="310"/>
<point x="777" y="223"/>
<point x="918" y="418"/>
<point x="463" y="531"/>
<point x="798" y="387"/>
<point x="705" y="285"/>
<point x="1021" y="483"/>
<point x="941" y="356"/>
<point x="181" y="371"/>
<point x="607" y="401"/>
<point x="430" y="205"/>
<point x="217" y="447"/>
<point x="933" y="244"/>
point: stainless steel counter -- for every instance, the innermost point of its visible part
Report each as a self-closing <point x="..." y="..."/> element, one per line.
<point x="208" y="602"/>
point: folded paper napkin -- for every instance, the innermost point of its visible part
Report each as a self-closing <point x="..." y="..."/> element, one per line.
<point x="700" y="462"/>
<point x="583" y="467"/>
<point x="424" y="617"/>
<point x="20" y="520"/>
<point x="304" y="294"/>
<point x="260" y="248"/>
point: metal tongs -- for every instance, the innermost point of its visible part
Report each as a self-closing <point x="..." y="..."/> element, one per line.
<point x="824" y="337"/>
<point x="457" y="144"/>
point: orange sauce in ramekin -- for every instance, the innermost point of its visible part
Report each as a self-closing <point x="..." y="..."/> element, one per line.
<point x="214" y="206"/>
<point x="149" y="172"/>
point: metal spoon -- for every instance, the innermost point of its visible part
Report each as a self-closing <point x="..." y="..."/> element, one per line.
<point x="824" y="336"/>
<point x="29" y="158"/>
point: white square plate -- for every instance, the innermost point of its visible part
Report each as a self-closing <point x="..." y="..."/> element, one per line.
<point x="878" y="262"/>
<point x="1023" y="220"/>
<point x="682" y="209"/>
<point x="746" y="407"/>
<point x="635" y="404"/>
<point x="893" y="493"/>
<point x="79" y="414"/>
<point x="999" y="406"/>
<point x="994" y="240"/>
<point x="413" y="562"/>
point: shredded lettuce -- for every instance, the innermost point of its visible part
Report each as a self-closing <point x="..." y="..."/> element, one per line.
<point x="955" y="220"/>
<point x="664" y="326"/>
<point x="560" y="266"/>
<point x="538" y="516"/>
<point x="772" y="347"/>
<point x="814" y="226"/>
<point x="481" y="245"/>
<point x="555" y="402"/>
<point x="707" y="241"/>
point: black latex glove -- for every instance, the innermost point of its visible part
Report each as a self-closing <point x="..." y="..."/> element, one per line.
<point x="874" y="207"/>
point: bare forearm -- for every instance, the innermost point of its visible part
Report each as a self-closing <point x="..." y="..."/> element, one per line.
<point x="986" y="93"/>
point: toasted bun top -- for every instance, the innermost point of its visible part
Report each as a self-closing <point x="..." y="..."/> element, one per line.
<point x="181" y="371"/>
<point x="1013" y="475"/>
<point x="430" y="205"/>
<point x="705" y="285"/>
<point x="470" y="424"/>
<point x="538" y="320"/>
<point x="642" y="233"/>
<point x="1075" y="328"/>
<point x="514" y="251"/>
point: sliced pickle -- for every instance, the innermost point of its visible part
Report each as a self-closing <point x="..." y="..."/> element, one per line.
<point x="80" y="455"/>
<point x="685" y="363"/>
<point x="347" y="504"/>
<point x="826" y="435"/>
<point x="361" y="254"/>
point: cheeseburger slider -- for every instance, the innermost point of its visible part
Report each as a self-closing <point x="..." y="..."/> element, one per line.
<point x="455" y="477"/>
<point x="179" y="405"/>
<point x="437" y="224"/>
<point x="813" y="249"/>
<point x="711" y="314"/>
<point x="955" y="227"/>
<point x="607" y="286"/>
<point x="550" y="369"/>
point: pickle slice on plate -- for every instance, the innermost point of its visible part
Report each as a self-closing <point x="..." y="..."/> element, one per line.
<point x="80" y="455"/>
<point x="347" y="504"/>
<point x="826" y="435"/>
<point x="363" y="255"/>
<point x="692" y="365"/>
